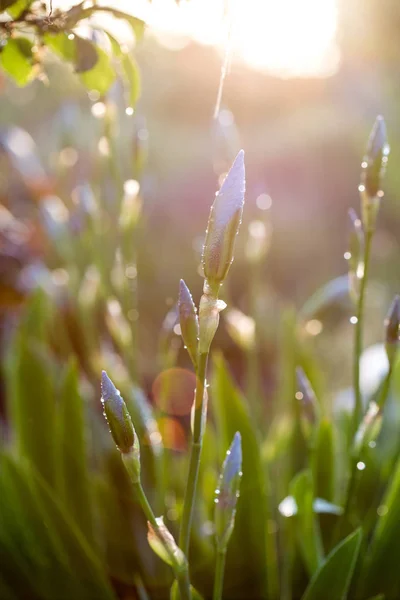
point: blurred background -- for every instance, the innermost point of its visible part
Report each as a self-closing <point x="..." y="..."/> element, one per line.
<point x="302" y="85"/>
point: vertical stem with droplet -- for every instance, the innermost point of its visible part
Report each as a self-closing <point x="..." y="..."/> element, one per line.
<point x="358" y="334"/>
<point x="195" y="455"/>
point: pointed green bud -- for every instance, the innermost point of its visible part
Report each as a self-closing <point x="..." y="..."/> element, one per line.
<point x="119" y="420"/>
<point x="227" y="493"/>
<point x="163" y="544"/>
<point x="373" y="171"/>
<point x="310" y="413"/>
<point x="223" y="225"/>
<point x="188" y="321"/>
<point x="392" y="328"/>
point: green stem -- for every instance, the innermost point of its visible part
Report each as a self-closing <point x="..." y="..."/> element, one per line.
<point x="181" y="573"/>
<point x="352" y="484"/>
<point x="195" y="455"/>
<point x="358" y="339"/>
<point x="219" y="574"/>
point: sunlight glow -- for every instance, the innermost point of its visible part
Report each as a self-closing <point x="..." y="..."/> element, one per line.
<point x="287" y="38"/>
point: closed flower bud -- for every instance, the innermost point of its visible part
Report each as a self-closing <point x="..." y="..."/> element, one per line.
<point x="118" y="418"/>
<point x="392" y="324"/>
<point x="373" y="170"/>
<point x="227" y="494"/>
<point x="374" y="163"/>
<point x="188" y="321"/>
<point x="223" y="225"/>
<point x="163" y="544"/>
<point x="209" y="310"/>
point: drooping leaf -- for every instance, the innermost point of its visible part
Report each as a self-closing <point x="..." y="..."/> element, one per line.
<point x="332" y="292"/>
<point x="333" y="578"/>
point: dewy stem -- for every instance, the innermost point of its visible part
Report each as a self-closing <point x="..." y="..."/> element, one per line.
<point x="181" y="573"/>
<point x="195" y="455"/>
<point x="219" y="575"/>
<point x="358" y="336"/>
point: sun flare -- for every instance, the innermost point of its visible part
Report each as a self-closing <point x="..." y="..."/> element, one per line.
<point x="288" y="38"/>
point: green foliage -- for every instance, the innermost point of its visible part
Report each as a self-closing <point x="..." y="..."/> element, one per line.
<point x="22" y="62"/>
<point x="333" y="578"/>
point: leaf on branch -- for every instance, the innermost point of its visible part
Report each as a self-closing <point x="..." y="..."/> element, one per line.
<point x="17" y="60"/>
<point x="90" y="62"/>
<point x="4" y="4"/>
<point x="16" y="7"/>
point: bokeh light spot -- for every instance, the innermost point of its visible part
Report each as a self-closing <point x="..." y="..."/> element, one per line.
<point x="173" y="391"/>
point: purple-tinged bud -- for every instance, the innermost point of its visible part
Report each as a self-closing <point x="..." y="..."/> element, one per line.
<point x="227" y="493"/>
<point x="188" y="321"/>
<point x="118" y="418"/>
<point x="223" y="225"/>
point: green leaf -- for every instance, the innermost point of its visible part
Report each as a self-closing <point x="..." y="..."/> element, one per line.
<point x="307" y="527"/>
<point x="380" y="572"/>
<point x="130" y="71"/>
<point x="323" y="461"/>
<point x="247" y="550"/>
<point x="16" y="59"/>
<point x="30" y="392"/>
<point x="102" y="76"/>
<point x="333" y="578"/>
<point x="61" y="45"/>
<point x="96" y="73"/>
<point x="17" y="7"/>
<point x="4" y="4"/>
<point x="72" y="469"/>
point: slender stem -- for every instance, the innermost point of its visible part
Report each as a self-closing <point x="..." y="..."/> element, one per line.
<point x="219" y="574"/>
<point x="181" y="573"/>
<point x="358" y="333"/>
<point x="195" y="455"/>
<point x="352" y="483"/>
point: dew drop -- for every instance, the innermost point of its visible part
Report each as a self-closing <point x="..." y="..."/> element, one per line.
<point x="353" y="320"/>
<point x="361" y="466"/>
